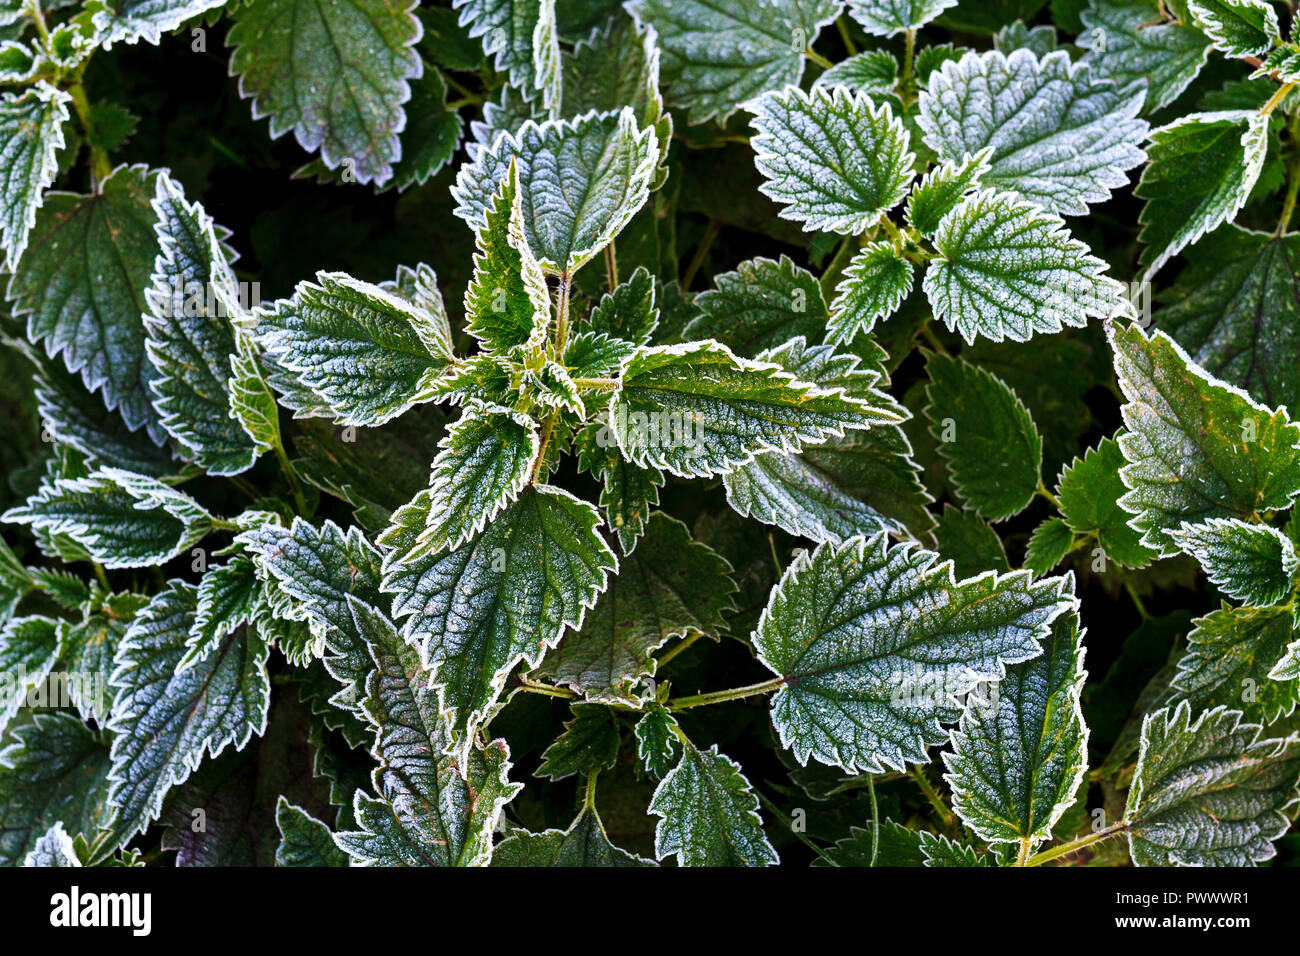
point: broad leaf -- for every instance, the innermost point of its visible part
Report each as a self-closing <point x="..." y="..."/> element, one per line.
<point x="1129" y="42"/>
<point x="130" y="21"/>
<point x="29" y="649"/>
<point x="1239" y="28"/>
<point x="1007" y="270"/>
<point x="585" y="843"/>
<point x="629" y="312"/>
<point x="519" y="36"/>
<point x="1020" y="754"/>
<point x="1209" y="792"/>
<point x="887" y="18"/>
<point x="54" y="848"/>
<point x="938" y="850"/>
<point x="709" y="813"/>
<point x="834" y="160"/>
<point x="943" y="187"/>
<point x="1195" y="447"/>
<point x="1088" y="496"/>
<point x="304" y="840"/>
<point x="335" y="73"/>
<point x="1058" y="136"/>
<point x="31" y="133"/>
<point x="1253" y="563"/>
<point x="588" y="745"/>
<point x="1233" y="655"/>
<point x="875" y="283"/>
<point x="872" y="71"/>
<point x="874" y="645"/>
<point x="984" y="431"/>
<point x="761" y="305"/>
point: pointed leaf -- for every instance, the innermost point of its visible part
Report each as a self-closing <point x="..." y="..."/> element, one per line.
<point x="1237" y="27"/>
<point x="304" y="840"/>
<point x="29" y="649"/>
<point x="1129" y="42"/>
<point x="589" y="744"/>
<point x="943" y="187"/>
<point x="875" y="283"/>
<point x="1231" y="659"/>
<point x="1253" y="563"/>
<point x="1088" y="497"/>
<point x="761" y="305"/>
<point x="887" y="18"/>
<point x="31" y="133"/>
<point x="585" y="843"/>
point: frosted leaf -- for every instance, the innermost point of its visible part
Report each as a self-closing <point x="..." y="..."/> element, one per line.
<point x="1253" y="563"/>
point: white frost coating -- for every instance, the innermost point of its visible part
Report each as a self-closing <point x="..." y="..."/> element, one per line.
<point x="130" y="21"/>
<point x="1239" y="28"/>
<point x="834" y="160"/>
<point x="53" y="848"/>
<point x="874" y="285"/>
<point x="887" y="18"/>
<point x="31" y="135"/>
<point x="1060" y="137"/>
<point x="1234" y="648"/>
<point x="1253" y="563"/>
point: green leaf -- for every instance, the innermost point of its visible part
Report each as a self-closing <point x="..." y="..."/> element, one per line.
<point x="970" y="543"/>
<point x="230" y="596"/>
<point x="518" y="35"/>
<point x="938" y="850"/>
<point x="1233" y="658"/>
<point x="875" y="644"/>
<point x="252" y="403"/>
<point x="1048" y="545"/>
<point x="871" y="71"/>
<point x="1130" y="43"/>
<point x="507" y="303"/>
<point x="1283" y="61"/>
<point x="657" y="741"/>
<point x="1209" y="792"/>
<point x="190" y="335"/>
<point x="896" y="845"/>
<point x="834" y="160"/>
<point x="670" y="586"/>
<point x="1020" y="755"/>
<point x="760" y="305"/>
<point x="1201" y="172"/>
<point x="875" y="284"/>
<point x="580" y="182"/>
<point x="1195" y="447"/>
<point x="53" y="769"/>
<point x="709" y="813"/>
<point x="887" y="18"/>
<point x="29" y="649"/>
<point x="367" y="353"/>
<point x="165" y="721"/>
<point x="1253" y="563"/>
<point x="31" y="134"/>
<point x="628" y="492"/>
<point x="585" y="843"/>
<point x="1235" y="308"/>
<point x="80" y="285"/>
<point x="589" y="744"/>
<point x="1007" y="269"/>
<point x="698" y="409"/>
<point x="503" y="596"/>
<point x="130" y="21"/>
<point x="1237" y="27"/>
<point x="435" y="809"/>
<point x="629" y="311"/>
<point x="985" y="433"/>
<point x="336" y="75"/>
<point x="122" y="519"/>
<point x="716" y="57"/>
<point x="943" y="187"/>
<point x="1058" y="136"/>
<point x="304" y="840"/>
<point x="54" y="848"/>
<point x="1088" y="495"/>
<point x="89" y="648"/>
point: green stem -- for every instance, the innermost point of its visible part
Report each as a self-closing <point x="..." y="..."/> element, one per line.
<point x="1293" y="175"/>
<point x="817" y="58"/>
<point x="589" y="792"/>
<point x="803" y="838"/>
<point x="1137" y="601"/>
<point x="702" y="250"/>
<point x="719" y="696"/>
<point x="875" y="819"/>
<point x="1282" y="92"/>
<point x="1042" y="491"/>
<point x="932" y="797"/>
<point x="1022" y="854"/>
<point x="842" y="25"/>
<point x="291" y="476"/>
<point x="599" y="384"/>
<point x="1077" y="844"/>
<point x="546" y="691"/>
<point x="679" y="647"/>
<point x="224" y="524"/>
<point x="895" y="236"/>
<point x="932" y="340"/>
<point x="562" y="312"/>
<point x="771" y="543"/>
<point x="909" y="60"/>
<point x="33" y="10"/>
<point x="611" y="266"/>
<point x="101" y="576"/>
<point x="100" y="167"/>
<point x="843" y="252"/>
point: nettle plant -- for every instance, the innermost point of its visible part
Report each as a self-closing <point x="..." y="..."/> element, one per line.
<point x="377" y="573"/>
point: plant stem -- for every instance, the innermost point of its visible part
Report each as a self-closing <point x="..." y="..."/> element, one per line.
<point x="547" y="691"/>
<point x="817" y="58"/>
<point x="875" y="818"/>
<point x="100" y="167"/>
<point x="803" y="838"/>
<point x="603" y="384"/>
<point x="291" y="476"/>
<point x="101" y="576"/>
<point x="1078" y="843"/>
<point x="771" y="543"/>
<point x="679" y="647"/>
<point x="1137" y="601"/>
<point x="611" y="266"/>
<point x="1022" y="855"/>
<point x="909" y="59"/>
<point x="562" y="312"/>
<point x="1293" y="175"/>
<point x="836" y="267"/>
<point x="589" y="792"/>
<point x="932" y="340"/>
<point x="850" y="47"/>
<point x="932" y="797"/>
<point x="719" y="696"/>
<point x="702" y="250"/>
<point x="1281" y="94"/>
<point x="1042" y="491"/>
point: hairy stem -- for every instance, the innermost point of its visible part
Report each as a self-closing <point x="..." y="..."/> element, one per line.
<point x="719" y="696"/>
<point x="1078" y="843"/>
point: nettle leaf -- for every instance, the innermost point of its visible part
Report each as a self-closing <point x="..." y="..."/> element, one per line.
<point x="230" y="596"/>
<point x="760" y="305"/>
<point x="434" y="809"/>
<point x="1048" y="545"/>
<point x="986" y="434"/>
<point x="1131" y="43"/>
<point x="130" y="21"/>
<point x="1235" y="308"/>
<point x="485" y="461"/>
<point x="31" y="134"/>
<point x="507" y="303"/>
<point x="872" y="71"/>
<point x="1283" y="61"/>
<point x="1007" y="270"/>
<point x="519" y="36"/>
<point x="122" y="519"/>
<point x="1020" y="755"/>
<point x="670" y="586"/>
<point x="943" y="187"/>
<point x="875" y="644"/>
<point x="629" y="311"/>
<point x="595" y="355"/>
<point x="53" y="769"/>
<point x="503" y="596"/>
<point x="190" y="335"/>
<point x="938" y="850"/>
<point x="658" y="740"/>
<point x="717" y="57"/>
<point x="367" y="353"/>
<point x="589" y="744"/>
<point x="1202" y="170"/>
<point x="54" y="848"/>
<point x="836" y="161"/>
<point x="1058" y="136"/>
<point x="875" y="283"/>
<point x="1088" y="495"/>
<point x="80" y="284"/>
<point x="628" y="492"/>
<point x="1195" y="448"/>
<point x="887" y="18"/>
<point x="304" y="840"/>
<point x="1235" y="658"/>
<point x="1237" y="27"/>
<point x="29" y="649"/>
<point x="166" y="720"/>
<point x="580" y="182"/>
<point x="252" y="402"/>
<point x="698" y="409"/>
<point x="335" y="74"/>
<point x="969" y="542"/>
<point x="1209" y="792"/>
<point x="585" y="843"/>
<point x="709" y="813"/>
<point x="1253" y="563"/>
<point x="89" y="648"/>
